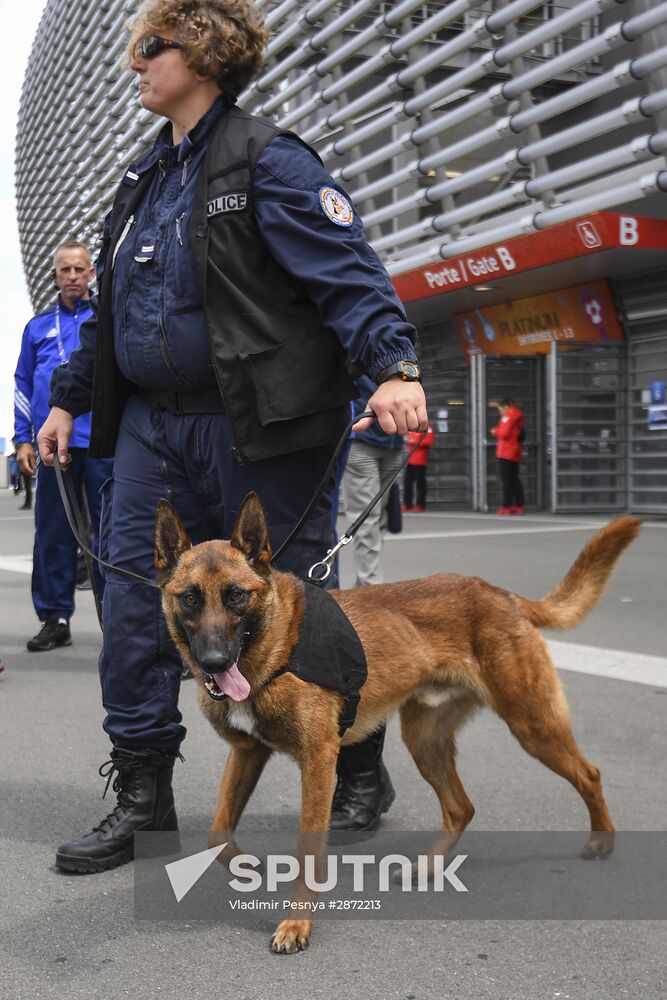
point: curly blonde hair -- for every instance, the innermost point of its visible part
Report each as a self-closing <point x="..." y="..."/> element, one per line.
<point x="223" y="39"/>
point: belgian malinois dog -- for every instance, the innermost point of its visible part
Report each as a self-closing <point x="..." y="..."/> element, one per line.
<point x="436" y="648"/>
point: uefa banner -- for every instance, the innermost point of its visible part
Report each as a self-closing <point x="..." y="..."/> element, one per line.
<point x="529" y="326"/>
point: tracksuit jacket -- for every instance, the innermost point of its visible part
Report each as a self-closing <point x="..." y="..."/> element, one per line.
<point x="43" y="338"/>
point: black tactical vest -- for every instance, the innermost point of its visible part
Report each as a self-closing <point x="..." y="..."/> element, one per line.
<point x="281" y="373"/>
<point x="328" y="652"/>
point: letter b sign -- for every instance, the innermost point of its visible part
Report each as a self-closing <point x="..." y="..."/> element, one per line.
<point x="629" y="231"/>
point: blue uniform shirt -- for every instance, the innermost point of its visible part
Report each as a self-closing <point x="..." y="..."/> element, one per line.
<point x="48" y="340"/>
<point x="159" y="325"/>
<point x="160" y="337"/>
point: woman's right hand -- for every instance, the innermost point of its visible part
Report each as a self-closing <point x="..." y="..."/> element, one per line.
<point x="53" y="438"/>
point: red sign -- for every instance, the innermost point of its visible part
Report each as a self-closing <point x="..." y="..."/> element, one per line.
<point x="528" y="326"/>
<point x="591" y="234"/>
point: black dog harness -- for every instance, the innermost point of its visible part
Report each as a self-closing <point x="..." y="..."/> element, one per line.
<point x="328" y="652"/>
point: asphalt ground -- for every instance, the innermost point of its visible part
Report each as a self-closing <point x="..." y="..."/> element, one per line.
<point x="63" y="937"/>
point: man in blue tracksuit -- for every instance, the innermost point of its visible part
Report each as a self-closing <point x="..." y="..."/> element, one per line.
<point x="235" y="285"/>
<point x="48" y="340"/>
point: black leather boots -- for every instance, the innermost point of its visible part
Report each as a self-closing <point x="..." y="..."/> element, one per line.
<point x="364" y="790"/>
<point x="145" y="803"/>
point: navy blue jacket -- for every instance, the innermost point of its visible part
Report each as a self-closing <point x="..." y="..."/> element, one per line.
<point x="162" y="333"/>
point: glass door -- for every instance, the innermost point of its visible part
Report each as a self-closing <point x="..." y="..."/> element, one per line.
<point x="492" y="380"/>
<point x="589" y="421"/>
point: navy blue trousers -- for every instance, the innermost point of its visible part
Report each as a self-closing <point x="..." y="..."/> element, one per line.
<point x="189" y="461"/>
<point x="54" y="560"/>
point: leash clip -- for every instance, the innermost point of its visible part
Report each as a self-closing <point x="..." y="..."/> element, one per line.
<point x="328" y="559"/>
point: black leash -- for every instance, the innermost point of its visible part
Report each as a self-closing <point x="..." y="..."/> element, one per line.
<point x="348" y="535"/>
<point x="317" y="496"/>
<point x="77" y="525"/>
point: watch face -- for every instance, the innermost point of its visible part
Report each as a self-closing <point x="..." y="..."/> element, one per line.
<point x="409" y="370"/>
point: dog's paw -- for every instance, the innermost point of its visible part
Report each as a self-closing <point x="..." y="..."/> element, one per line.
<point x="599" y="846"/>
<point x="291" y="936"/>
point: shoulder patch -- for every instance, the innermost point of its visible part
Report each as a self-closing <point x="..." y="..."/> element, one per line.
<point x="336" y="207"/>
<point x="131" y="177"/>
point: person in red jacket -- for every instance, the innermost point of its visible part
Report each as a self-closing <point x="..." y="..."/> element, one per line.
<point x="509" y="434"/>
<point x="415" y="472"/>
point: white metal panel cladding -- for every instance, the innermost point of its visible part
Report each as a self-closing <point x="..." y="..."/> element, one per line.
<point x="452" y="123"/>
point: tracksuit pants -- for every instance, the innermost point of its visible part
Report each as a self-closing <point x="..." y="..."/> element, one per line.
<point x="189" y="461"/>
<point x="54" y="561"/>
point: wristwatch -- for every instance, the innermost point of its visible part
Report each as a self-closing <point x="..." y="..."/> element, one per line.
<point x="408" y="370"/>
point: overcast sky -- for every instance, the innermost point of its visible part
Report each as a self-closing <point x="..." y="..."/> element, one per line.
<point x="20" y="21"/>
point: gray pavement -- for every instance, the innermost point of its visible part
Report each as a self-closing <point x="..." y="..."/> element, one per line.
<point x="76" y="937"/>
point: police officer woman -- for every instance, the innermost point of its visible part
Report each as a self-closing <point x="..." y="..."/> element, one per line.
<point x="235" y="283"/>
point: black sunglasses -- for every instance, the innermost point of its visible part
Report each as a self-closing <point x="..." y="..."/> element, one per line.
<point x="152" y="45"/>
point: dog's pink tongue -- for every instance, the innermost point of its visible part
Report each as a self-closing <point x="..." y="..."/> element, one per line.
<point x="233" y="683"/>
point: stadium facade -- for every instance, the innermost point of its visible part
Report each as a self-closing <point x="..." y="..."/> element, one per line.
<point x="508" y="159"/>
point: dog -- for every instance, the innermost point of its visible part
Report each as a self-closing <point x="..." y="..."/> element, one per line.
<point x="437" y="649"/>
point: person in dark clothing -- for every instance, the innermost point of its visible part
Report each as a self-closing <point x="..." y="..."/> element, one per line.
<point x="509" y="448"/>
<point x="15" y="477"/>
<point x="235" y="285"/>
<point x="27" y="485"/>
<point x="21" y="481"/>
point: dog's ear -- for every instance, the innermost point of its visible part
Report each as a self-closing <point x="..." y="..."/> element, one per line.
<point x="171" y="541"/>
<point x="251" y="533"/>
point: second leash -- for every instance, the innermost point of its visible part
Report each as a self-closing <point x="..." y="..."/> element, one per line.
<point x="75" y="520"/>
<point x="324" y="566"/>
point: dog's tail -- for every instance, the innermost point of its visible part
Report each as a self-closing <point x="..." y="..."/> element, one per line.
<point x="584" y="583"/>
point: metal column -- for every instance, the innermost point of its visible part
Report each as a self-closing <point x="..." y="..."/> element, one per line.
<point x="478" y="431"/>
